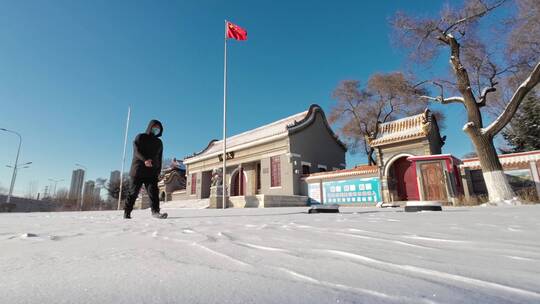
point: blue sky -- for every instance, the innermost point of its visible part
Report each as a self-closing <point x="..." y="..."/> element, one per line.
<point x="69" y="70"/>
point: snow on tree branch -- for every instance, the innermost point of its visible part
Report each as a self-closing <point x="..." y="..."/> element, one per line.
<point x="440" y="98"/>
<point x="453" y="99"/>
<point x="526" y="86"/>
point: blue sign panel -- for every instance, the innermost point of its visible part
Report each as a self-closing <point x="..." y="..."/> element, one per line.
<point x="352" y="191"/>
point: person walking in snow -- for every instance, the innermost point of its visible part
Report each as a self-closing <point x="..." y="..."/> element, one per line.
<point x="145" y="168"/>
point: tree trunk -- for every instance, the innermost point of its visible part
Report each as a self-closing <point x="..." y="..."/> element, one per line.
<point x="498" y="188"/>
<point x="371" y="160"/>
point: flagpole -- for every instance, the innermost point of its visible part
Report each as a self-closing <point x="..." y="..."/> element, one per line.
<point x="123" y="158"/>
<point x="224" y="172"/>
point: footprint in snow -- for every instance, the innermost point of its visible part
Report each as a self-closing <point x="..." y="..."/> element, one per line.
<point x="514" y="229"/>
<point x="28" y="235"/>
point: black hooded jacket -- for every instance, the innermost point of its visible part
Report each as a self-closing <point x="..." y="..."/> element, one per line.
<point x="147" y="146"/>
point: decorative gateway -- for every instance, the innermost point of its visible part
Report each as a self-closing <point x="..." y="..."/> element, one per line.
<point x="171" y="180"/>
<point x="395" y="178"/>
<point x="394" y="143"/>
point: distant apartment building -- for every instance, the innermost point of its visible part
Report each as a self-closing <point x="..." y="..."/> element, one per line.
<point x="89" y="187"/>
<point x="97" y="193"/>
<point x="89" y="193"/>
<point x="113" y="179"/>
<point x="77" y="178"/>
<point x="115" y="176"/>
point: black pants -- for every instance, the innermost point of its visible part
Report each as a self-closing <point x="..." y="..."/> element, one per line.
<point x="151" y="185"/>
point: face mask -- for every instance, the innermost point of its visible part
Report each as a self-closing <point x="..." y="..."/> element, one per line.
<point x="156" y="131"/>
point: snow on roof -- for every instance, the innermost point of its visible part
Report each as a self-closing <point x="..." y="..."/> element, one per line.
<point x="356" y="171"/>
<point x="406" y="128"/>
<point x="506" y="160"/>
<point x="264" y="132"/>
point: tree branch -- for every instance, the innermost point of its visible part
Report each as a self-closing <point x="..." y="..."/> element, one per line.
<point x="389" y="112"/>
<point x="463" y="81"/>
<point x="453" y="99"/>
<point x="470" y="128"/>
<point x="483" y="95"/>
<point x="492" y="83"/>
<point x="440" y="98"/>
<point x="526" y="86"/>
<point x="353" y="111"/>
<point x="477" y="15"/>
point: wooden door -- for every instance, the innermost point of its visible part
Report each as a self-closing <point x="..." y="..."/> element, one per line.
<point x="405" y="175"/>
<point x="433" y="181"/>
<point x="238" y="183"/>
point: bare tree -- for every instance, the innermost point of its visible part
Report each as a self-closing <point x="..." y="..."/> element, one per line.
<point x="66" y="203"/>
<point x="100" y="184"/>
<point x="358" y="111"/>
<point x="113" y="188"/>
<point x="62" y="194"/>
<point x="489" y="57"/>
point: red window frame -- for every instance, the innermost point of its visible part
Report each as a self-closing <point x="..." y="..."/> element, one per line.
<point x="275" y="171"/>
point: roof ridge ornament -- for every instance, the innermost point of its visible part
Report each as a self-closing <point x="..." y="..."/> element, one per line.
<point x="426" y="121"/>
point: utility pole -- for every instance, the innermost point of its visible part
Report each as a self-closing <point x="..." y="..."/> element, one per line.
<point x="55" y="181"/>
<point x="123" y="159"/>
<point x="14" y="175"/>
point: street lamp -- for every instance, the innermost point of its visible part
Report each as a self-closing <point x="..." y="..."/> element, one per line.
<point x="18" y="167"/>
<point x="55" y="181"/>
<point x="82" y="186"/>
<point x="21" y="166"/>
<point x="14" y="175"/>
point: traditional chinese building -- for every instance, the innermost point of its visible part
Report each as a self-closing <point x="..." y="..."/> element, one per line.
<point x="265" y="165"/>
<point x="394" y="143"/>
<point x="171" y="180"/>
<point x="299" y="160"/>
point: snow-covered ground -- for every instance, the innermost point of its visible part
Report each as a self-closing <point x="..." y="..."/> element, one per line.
<point x="282" y="255"/>
<point x="189" y="203"/>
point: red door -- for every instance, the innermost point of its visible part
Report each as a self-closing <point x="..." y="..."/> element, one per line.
<point x="405" y="175"/>
<point x="238" y="183"/>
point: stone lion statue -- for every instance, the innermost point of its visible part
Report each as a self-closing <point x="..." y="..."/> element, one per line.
<point x="217" y="177"/>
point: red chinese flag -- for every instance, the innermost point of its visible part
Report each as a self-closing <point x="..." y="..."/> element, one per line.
<point x="236" y="32"/>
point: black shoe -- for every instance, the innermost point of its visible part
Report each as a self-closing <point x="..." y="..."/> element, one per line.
<point x="159" y="215"/>
<point x="127" y="214"/>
